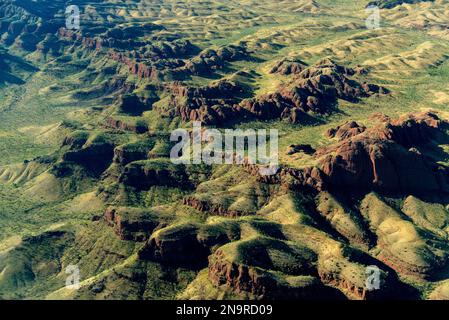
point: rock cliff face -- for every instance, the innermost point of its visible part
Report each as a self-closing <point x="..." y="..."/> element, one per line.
<point x="187" y="244"/>
<point x="142" y="59"/>
<point x="312" y="90"/>
<point x="131" y="224"/>
<point x="169" y="247"/>
<point x="386" y="158"/>
<point x="216" y="209"/>
<point x="371" y="193"/>
<point x="315" y="90"/>
<point x="212" y="59"/>
<point x="347" y="130"/>
<point x="315" y="277"/>
<point x="138" y="127"/>
<point x="211" y="104"/>
<point x="309" y="178"/>
<point x="95" y="157"/>
<point x="132" y="152"/>
<point x="262" y="284"/>
<point x="288" y="66"/>
<point x="145" y="174"/>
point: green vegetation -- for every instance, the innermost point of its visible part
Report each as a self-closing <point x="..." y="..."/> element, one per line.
<point x="85" y="126"/>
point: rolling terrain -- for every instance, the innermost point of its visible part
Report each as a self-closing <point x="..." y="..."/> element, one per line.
<point x="86" y="178"/>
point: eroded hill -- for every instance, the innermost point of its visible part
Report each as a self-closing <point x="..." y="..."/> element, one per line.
<point x="87" y="180"/>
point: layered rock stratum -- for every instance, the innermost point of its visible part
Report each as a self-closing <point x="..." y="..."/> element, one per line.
<point x="86" y="178"/>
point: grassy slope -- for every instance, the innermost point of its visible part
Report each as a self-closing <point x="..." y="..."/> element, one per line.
<point x="37" y="105"/>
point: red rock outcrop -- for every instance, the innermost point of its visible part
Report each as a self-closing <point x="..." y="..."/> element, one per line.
<point x="88" y="42"/>
<point x="205" y="206"/>
<point x="384" y="158"/>
<point x="316" y="89"/>
<point x="186" y="244"/>
<point x="153" y="63"/>
<point x="347" y="130"/>
<point x="143" y="175"/>
<point x="288" y="66"/>
<point x="260" y="283"/>
<point x="127" y="228"/>
<point x="404" y="268"/>
<point x="141" y="69"/>
<point x="118" y="124"/>
<point x="211" y="59"/>
<point x="358" y="292"/>
<point x="240" y="278"/>
<point x="309" y="178"/>
<point x="212" y="104"/>
<point x="313" y="90"/>
<point x="128" y="153"/>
